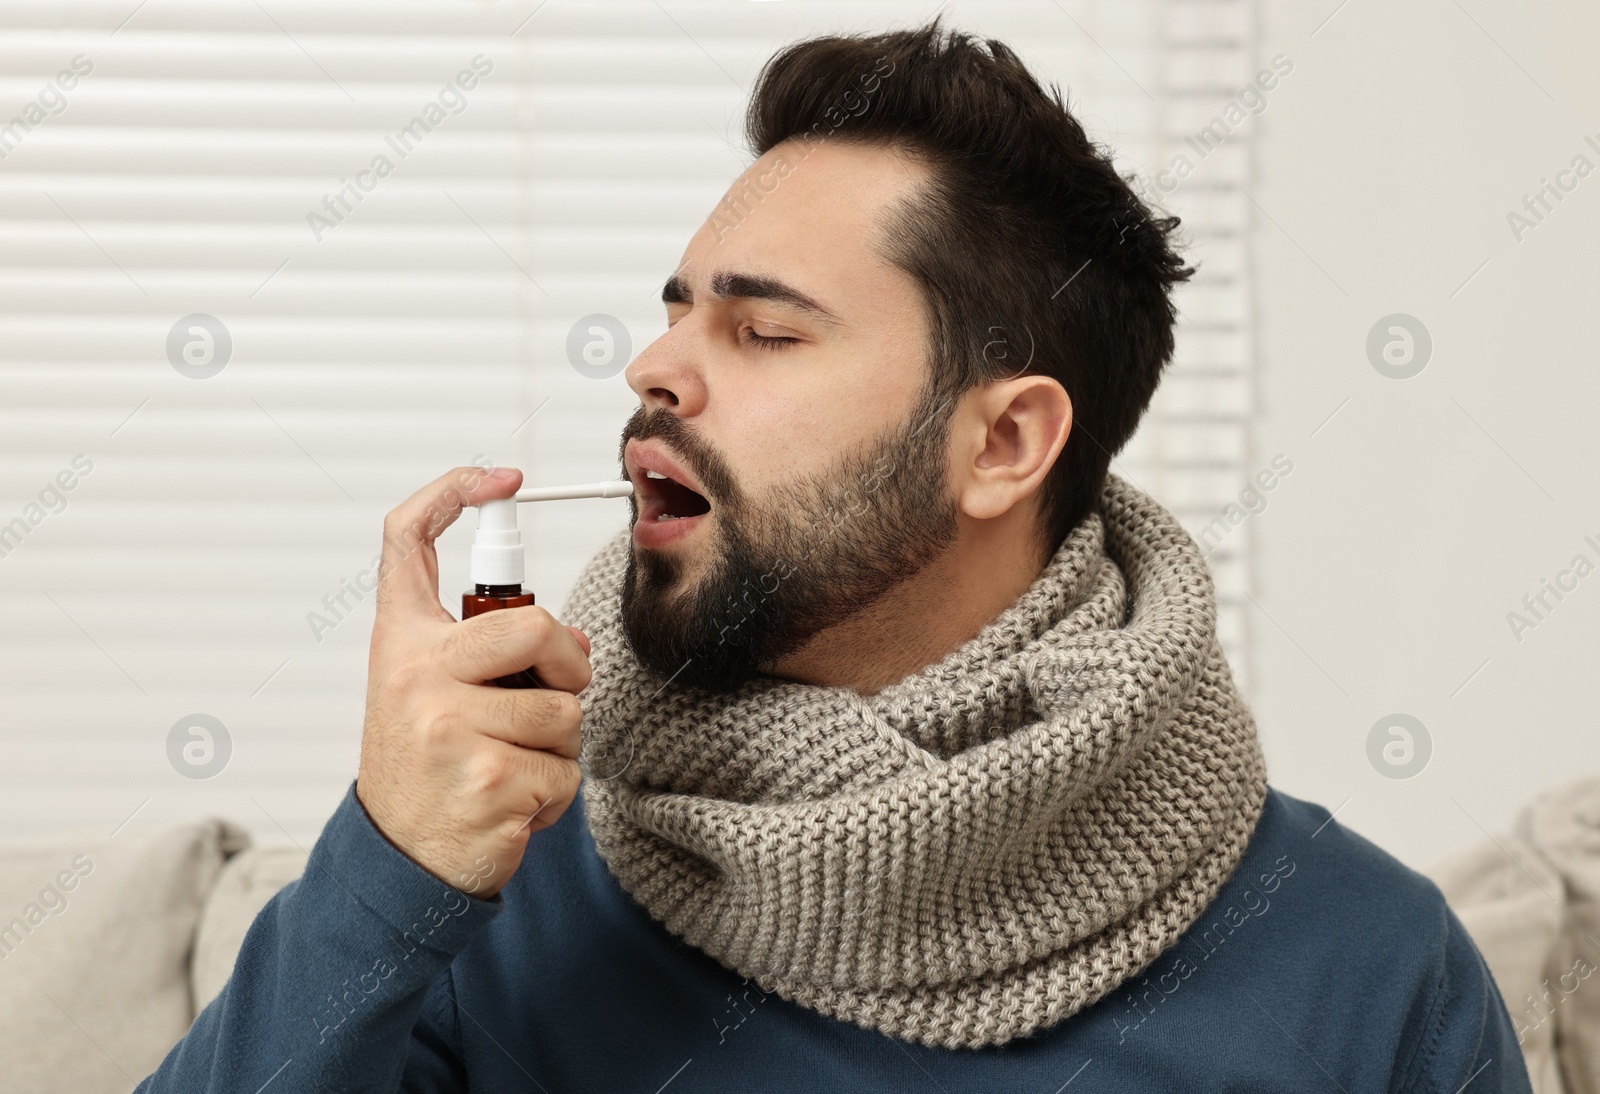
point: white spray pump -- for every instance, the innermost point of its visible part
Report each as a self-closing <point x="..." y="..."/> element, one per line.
<point x="497" y="554"/>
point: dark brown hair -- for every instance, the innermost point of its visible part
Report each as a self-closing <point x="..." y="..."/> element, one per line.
<point x="1033" y="254"/>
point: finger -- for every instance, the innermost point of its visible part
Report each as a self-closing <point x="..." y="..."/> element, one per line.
<point x="508" y="640"/>
<point x="583" y="639"/>
<point x="540" y="718"/>
<point x="408" y="578"/>
<point x="552" y="785"/>
<point x="507" y="787"/>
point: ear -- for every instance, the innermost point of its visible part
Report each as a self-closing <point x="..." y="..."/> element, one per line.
<point x="1019" y="427"/>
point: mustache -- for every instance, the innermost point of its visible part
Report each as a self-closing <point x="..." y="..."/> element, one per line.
<point x="683" y="443"/>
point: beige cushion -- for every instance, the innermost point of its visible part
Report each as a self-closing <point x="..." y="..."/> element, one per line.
<point x="1509" y="899"/>
<point x="1564" y="824"/>
<point x="95" y="935"/>
<point x="246" y="884"/>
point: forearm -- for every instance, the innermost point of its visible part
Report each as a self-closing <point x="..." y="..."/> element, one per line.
<point x="327" y="988"/>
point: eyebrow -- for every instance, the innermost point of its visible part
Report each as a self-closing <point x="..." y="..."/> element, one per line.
<point x="739" y="286"/>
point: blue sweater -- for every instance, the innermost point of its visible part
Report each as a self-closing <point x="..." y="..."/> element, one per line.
<point x="1324" y="964"/>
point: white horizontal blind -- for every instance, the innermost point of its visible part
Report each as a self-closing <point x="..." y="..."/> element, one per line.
<point x="1194" y="449"/>
<point x="378" y="337"/>
<point x="637" y="133"/>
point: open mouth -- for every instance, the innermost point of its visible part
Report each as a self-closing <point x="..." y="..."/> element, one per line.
<point x="667" y="500"/>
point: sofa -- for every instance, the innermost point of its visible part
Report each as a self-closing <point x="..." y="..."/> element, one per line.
<point x="109" y="946"/>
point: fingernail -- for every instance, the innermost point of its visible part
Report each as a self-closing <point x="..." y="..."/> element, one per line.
<point x="500" y="473"/>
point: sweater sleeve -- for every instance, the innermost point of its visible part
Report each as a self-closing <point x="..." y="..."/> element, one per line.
<point x="329" y="989"/>
<point x="1469" y="1044"/>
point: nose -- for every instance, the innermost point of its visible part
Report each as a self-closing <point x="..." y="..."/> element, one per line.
<point x="665" y="375"/>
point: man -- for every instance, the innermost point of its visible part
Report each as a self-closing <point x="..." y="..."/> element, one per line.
<point x="912" y="759"/>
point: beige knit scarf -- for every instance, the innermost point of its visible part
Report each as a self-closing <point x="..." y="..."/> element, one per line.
<point x="972" y="854"/>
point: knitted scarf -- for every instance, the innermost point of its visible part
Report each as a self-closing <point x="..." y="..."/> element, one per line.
<point x="974" y="853"/>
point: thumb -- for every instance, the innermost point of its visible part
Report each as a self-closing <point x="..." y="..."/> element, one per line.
<point x="408" y="579"/>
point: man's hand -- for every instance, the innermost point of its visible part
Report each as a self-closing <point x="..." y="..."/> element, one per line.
<point x="458" y="773"/>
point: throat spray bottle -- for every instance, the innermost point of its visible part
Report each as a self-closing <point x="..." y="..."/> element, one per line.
<point x="498" y="557"/>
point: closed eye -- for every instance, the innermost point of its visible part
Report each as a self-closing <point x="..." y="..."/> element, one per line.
<point x="762" y="341"/>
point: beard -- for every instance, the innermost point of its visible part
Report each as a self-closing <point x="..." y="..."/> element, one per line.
<point x="809" y="555"/>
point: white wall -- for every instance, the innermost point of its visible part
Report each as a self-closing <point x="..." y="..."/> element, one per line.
<point x="1422" y="513"/>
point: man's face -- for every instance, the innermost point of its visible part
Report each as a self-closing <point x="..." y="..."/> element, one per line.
<point x="822" y="456"/>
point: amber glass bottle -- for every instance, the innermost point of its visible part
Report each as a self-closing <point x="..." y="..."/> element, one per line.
<point x="487" y="598"/>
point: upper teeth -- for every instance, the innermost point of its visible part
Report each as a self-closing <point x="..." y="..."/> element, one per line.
<point x="654" y="475"/>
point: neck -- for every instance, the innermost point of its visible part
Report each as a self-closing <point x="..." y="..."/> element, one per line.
<point x="924" y="618"/>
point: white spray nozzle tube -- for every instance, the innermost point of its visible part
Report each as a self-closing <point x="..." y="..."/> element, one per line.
<point x="617" y="488"/>
<point x="497" y="554"/>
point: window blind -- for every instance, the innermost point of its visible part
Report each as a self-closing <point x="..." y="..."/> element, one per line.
<point x="319" y="183"/>
<point x="208" y="189"/>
